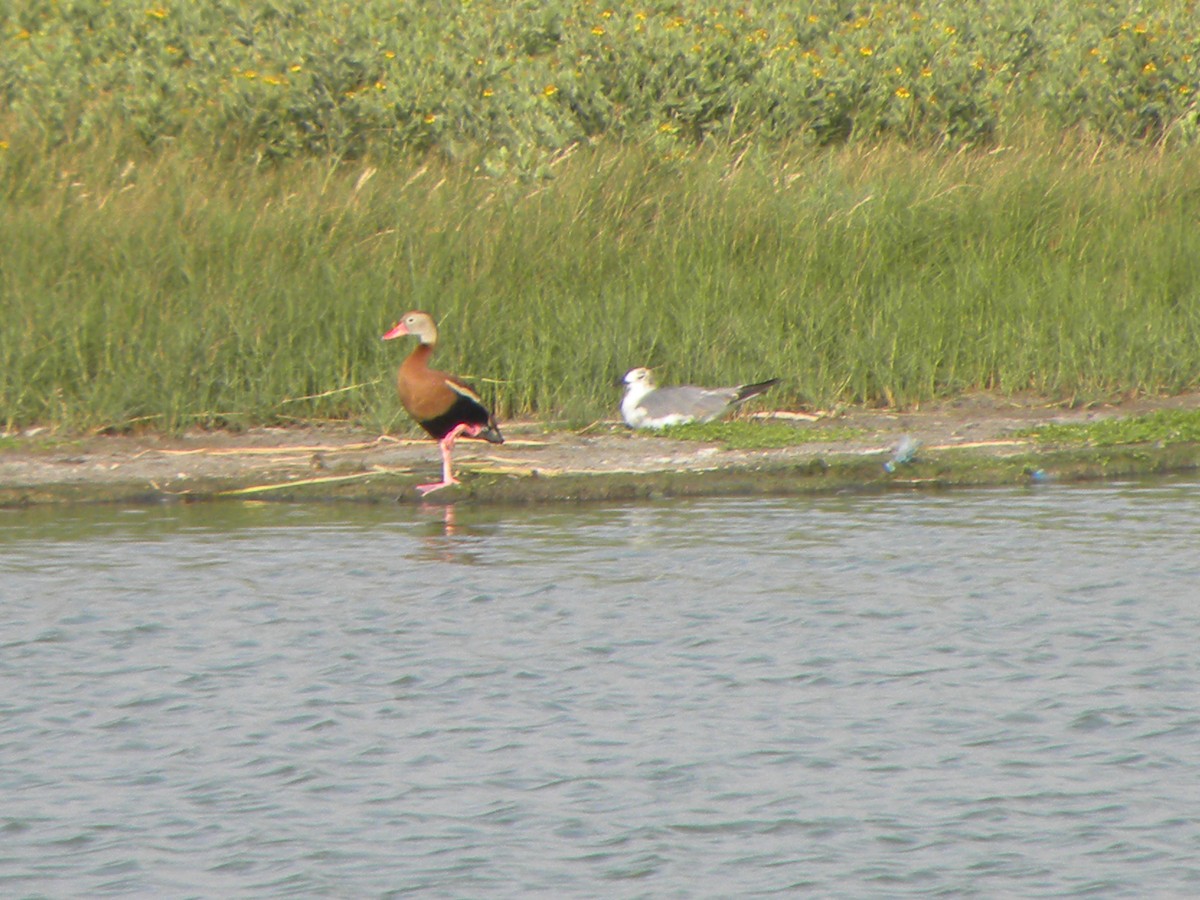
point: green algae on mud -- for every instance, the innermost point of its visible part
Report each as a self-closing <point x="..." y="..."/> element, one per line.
<point x="740" y="434"/>
<point x="818" y="474"/>
<point x="1165" y="426"/>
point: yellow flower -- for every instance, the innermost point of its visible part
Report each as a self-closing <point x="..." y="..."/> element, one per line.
<point x="549" y="90"/>
<point x="1149" y="68"/>
<point x="430" y="118"/>
<point x="250" y="74"/>
<point x="487" y="92"/>
<point x="1183" y="89"/>
<point x="296" y="67"/>
<point x="3" y="145"/>
<point x="274" y="80"/>
<point x="389" y="54"/>
<point x="950" y="29"/>
<point x="866" y="51"/>
<point x="597" y="29"/>
<point x="157" y="13"/>
<point x="607" y="14"/>
<point x="903" y="93"/>
<point x="380" y="86"/>
<point x="23" y="34"/>
<point x="926" y="72"/>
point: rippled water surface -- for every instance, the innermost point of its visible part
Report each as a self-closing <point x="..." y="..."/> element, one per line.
<point x="992" y="694"/>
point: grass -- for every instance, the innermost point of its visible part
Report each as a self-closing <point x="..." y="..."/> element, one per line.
<point x="741" y="434"/>
<point x="1161" y="427"/>
<point x="165" y="290"/>
<point x="210" y="212"/>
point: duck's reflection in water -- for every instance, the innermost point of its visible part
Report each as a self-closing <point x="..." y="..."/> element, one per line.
<point x="442" y="538"/>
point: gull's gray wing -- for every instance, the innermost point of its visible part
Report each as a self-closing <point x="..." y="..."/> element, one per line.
<point x="686" y="402"/>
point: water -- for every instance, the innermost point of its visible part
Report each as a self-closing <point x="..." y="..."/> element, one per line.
<point x="990" y="694"/>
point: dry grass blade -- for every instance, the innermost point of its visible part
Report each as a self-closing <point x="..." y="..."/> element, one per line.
<point x="325" y="479"/>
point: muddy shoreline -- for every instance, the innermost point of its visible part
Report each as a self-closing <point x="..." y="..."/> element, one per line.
<point x="972" y="441"/>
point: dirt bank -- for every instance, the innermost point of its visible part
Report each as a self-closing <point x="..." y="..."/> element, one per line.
<point x="970" y="441"/>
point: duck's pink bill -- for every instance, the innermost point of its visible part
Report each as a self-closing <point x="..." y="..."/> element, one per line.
<point x="396" y="332"/>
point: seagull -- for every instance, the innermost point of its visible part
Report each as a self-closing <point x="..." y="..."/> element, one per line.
<point x="647" y="406"/>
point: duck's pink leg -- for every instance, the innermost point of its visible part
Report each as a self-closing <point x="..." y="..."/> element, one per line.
<point x="447" y="444"/>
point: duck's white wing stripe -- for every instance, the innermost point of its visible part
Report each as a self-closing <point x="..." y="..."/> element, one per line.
<point x="463" y="390"/>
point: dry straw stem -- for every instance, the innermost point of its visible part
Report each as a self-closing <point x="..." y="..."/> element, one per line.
<point x="303" y="482"/>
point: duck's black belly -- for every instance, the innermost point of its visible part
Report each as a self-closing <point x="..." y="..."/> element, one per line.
<point x="465" y="411"/>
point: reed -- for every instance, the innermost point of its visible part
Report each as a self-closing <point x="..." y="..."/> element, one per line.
<point x="168" y="290"/>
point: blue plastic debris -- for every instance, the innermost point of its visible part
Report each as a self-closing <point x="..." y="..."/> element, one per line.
<point x="905" y="452"/>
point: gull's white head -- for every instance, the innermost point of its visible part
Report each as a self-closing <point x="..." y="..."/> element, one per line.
<point x="638" y="383"/>
<point x="639" y="379"/>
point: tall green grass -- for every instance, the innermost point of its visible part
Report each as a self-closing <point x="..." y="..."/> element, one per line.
<point x="168" y="290"/>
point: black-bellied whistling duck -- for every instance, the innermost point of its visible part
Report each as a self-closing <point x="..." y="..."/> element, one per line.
<point x="443" y="405"/>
